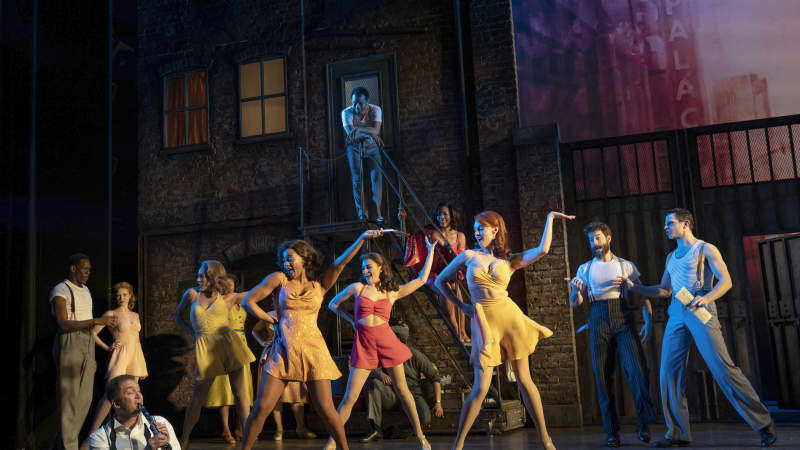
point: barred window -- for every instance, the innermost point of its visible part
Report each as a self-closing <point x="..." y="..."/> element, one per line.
<point x="185" y="109"/>
<point x="262" y="97"/>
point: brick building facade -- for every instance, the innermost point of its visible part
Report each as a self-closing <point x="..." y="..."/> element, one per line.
<point x="234" y="199"/>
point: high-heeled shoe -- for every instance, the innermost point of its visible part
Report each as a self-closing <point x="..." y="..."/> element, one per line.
<point x="278" y="436"/>
<point x="306" y="435"/>
<point x="549" y="444"/>
<point x="228" y="438"/>
<point x="330" y="445"/>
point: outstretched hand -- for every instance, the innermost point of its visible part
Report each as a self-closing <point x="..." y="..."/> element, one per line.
<point x="560" y="215"/>
<point x="623" y="282"/>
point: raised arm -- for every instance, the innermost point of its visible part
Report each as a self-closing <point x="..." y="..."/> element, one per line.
<point x="340" y="298"/>
<point x="720" y="269"/>
<point x="420" y="281"/>
<point x="330" y="275"/>
<point x="520" y="260"/>
<point x="265" y="288"/>
<point x="183" y="306"/>
<point x="449" y="273"/>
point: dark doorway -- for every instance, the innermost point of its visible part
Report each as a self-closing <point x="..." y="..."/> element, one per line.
<point x="378" y="75"/>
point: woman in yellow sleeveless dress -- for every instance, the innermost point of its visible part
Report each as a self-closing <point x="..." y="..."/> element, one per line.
<point x="299" y="353"/>
<point x="500" y="330"/>
<point x="217" y="348"/>
<point x="220" y="395"/>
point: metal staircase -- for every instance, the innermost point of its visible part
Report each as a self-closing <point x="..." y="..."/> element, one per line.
<point x="500" y="414"/>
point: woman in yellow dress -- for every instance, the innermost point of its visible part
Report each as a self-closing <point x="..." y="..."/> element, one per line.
<point x="295" y="393"/>
<point x="217" y="348"/>
<point x="127" y="357"/>
<point x="500" y="330"/>
<point x="220" y="395"/>
<point x="299" y="353"/>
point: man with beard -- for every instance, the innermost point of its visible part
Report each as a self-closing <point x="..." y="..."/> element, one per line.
<point x="362" y="127"/>
<point x="686" y="270"/>
<point x="611" y="330"/>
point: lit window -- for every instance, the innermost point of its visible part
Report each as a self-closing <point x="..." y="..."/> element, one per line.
<point x="262" y="97"/>
<point x="185" y="109"/>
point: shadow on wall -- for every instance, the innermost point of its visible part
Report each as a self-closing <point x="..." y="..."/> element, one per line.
<point x="165" y="373"/>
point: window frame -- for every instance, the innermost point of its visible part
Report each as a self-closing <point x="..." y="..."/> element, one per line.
<point x="164" y="111"/>
<point x="241" y="100"/>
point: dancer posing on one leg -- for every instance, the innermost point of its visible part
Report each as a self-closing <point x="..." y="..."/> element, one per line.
<point x="686" y="269"/>
<point x="500" y="330"/>
<point x="374" y="343"/>
<point x="299" y="353"/>
<point x="448" y="221"/>
<point x="295" y="392"/>
<point x="612" y="332"/>
<point x="220" y="394"/>
<point x="127" y="357"/>
<point x="217" y="349"/>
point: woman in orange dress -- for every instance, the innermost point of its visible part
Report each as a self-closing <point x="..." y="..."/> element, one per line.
<point x="500" y="330"/>
<point x="299" y="353"/>
<point x="127" y="357"/>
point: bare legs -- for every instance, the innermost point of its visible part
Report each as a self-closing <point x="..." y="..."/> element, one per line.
<point x="472" y="405"/>
<point x="453" y="315"/>
<point x="270" y="390"/>
<point x="531" y="398"/>
<point x="528" y="390"/>
<point x="224" y="414"/>
<point x="354" y="385"/>
<point x="199" y="397"/>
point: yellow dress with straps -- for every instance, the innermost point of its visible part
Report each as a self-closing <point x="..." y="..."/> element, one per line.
<point x="500" y="330"/>
<point x="220" y="393"/>
<point x="217" y="349"/>
<point x="300" y="352"/>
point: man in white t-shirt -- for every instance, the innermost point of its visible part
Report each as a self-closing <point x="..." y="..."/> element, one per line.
<point x="612" y="332"/>
<point x="73" y="349"/>
<point x="686" y="270"/>
<point x="362" y="126"/>
<point x="129" y="428"/>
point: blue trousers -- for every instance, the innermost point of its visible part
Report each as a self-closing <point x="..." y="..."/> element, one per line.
<point x="612" y="334"/>
<point x="683" y="328"/>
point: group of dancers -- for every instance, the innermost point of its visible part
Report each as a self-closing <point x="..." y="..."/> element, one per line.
<point x="298" y="353"/>
<point x="297" y="358"/>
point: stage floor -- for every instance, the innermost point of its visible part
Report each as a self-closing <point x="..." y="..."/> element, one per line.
<point x="727" y="436"/>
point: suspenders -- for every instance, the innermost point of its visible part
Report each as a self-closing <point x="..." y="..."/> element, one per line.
<point x="72" y="300"/>
<point x="588" y="273"/>
<point x="112" y="434"/>
<point x="699" y="284"/>
<point x="618" y="311"/>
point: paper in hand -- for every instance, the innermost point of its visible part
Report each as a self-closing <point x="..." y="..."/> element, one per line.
<point x="686" y="297"/>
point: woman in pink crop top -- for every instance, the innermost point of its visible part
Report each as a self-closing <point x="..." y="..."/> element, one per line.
<point x="374" y="343"/>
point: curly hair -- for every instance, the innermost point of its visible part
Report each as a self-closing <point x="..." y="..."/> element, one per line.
<point x="499" y="245"/>
<point x="386" y="282"/>
<point x="214" y="272"/>
<point x="594" y="226"/>
<point x="228" y="284"/>
<point x="311" y="256"/>
<point x="125" y="285"/>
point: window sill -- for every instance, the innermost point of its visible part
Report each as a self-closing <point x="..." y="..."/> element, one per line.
<point x="286" y="135"/>
<point x="167" y="151"/>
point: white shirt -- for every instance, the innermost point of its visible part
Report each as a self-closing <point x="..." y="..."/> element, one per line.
<point x="83" y="300"/>
<point x="683" y="270"/>
<point x="600" y="280"/>
<point x="126" y="439"/>
<point x="350" y="119"/>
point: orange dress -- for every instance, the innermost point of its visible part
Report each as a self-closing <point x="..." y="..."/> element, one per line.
<point x="300" y="352"/>
<point x="500" y="330"/>
<point x="129" y="358"/>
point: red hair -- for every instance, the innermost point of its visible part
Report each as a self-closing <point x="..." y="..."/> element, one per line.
<point x="499" y="245"/>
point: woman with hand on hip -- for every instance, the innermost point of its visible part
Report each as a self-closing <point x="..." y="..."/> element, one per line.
<point x="299" y="353"/>
<point x="500" y="330"/>
<point x="375" y="344"/>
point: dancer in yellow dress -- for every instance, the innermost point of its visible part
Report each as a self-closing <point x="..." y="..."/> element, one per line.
<point x="217" y="348"/>
<point x="220" y="395"/>
<point x="299" y="353"/>
<point x="127" y="357"/>
<point x="295" y="392"/>
<point x="500" y="330"/>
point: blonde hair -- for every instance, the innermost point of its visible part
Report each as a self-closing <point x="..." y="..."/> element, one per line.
<point x="125" y="285"/>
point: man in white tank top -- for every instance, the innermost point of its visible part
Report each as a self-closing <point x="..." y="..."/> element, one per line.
<point x="685" y="269"/>
<point x="612" y="333"/>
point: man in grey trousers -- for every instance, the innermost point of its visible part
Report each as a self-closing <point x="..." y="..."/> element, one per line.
<point x="686" y="269"/>
<point x="73" y="349"/>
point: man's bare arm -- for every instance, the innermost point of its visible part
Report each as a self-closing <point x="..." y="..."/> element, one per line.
<point x="66" y="325"/>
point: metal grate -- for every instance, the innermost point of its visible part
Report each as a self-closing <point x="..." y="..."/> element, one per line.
<point x="621" y="170"/>
<point x="749" y="156"/>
